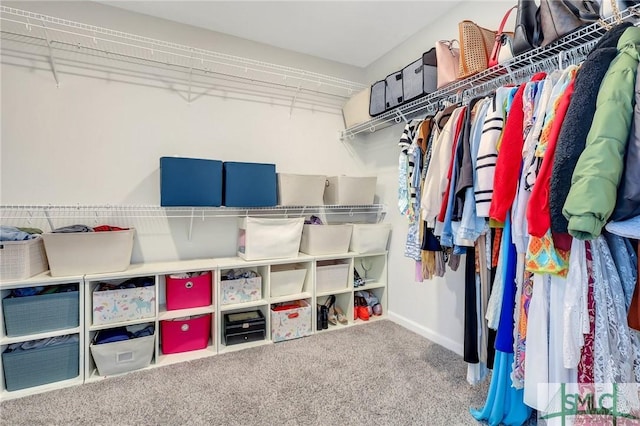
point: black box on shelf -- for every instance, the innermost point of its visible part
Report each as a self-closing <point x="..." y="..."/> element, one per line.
<point x="242" y="327"/>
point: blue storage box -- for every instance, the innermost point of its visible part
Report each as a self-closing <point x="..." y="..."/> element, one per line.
<point x="40" y="313"/>
<point x="39" y="366"/>
<point x="190" y="182"/>
<point x="250" y="185"/>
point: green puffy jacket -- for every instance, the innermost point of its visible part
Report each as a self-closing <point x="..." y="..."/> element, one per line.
<point x="597" y="174"/>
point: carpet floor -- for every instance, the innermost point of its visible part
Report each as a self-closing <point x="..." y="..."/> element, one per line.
<point x="373" y="374"/>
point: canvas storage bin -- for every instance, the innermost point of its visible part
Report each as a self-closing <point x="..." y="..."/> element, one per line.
<point x="42" y="365"/>
<point x="23" y="259"/>
<point x="111" y="306"/>
<point x="269" y="238"/>
<point x="370" y="237"/>
<point x="292" y="322"/>
<point x="285" y="280"/>
<point x="430" y="71"/>
<point x="350" y="190"/>
<point x="192" y="292"/>
<point x="413" y="80"/>
<point x="125" y="355"/>
<point x="356" y="110"/>
<point x="325" y="239"/>
<point x="40" y="313"/>
<point x="240" y="291"/>
<point x="185" y="334"/>
<point x="249" y="184"/>
<point x="331" y="276"/>
<point x="79" y="253"/>
<point x="190" y="182"/>
<point x="300" y="190"/>
<point x="377" y="102"/>
<point x="393" y="95"/>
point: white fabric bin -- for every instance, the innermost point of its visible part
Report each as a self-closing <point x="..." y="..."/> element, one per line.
<point x="125" y="355"/>
<point x="261" y="238"/>
<point x="350" y="190"/>
<point x="300" y="190"/>
<point x="125" y="304"/>
<point x="79" y="253"/>
<point x="284" y="280"/>
<point x="325" y="239"/>
<point x="240" y="290"/>
<point x="370" y="237"/>
<point x="331" y="276"/>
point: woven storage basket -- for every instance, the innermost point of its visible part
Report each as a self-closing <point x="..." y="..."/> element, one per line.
<point x="22" y="259"/>
<point x="475" y="48"/>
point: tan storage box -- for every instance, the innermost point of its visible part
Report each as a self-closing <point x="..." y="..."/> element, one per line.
<point x="325" y="239"/>
<point x="80" y="253"/>
<point x="301" y="190"/>
<point x="350" y="191"/>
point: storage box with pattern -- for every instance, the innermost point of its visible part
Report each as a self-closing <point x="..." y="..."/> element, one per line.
<point x="290" y="320"/>
<point x="111" y="306"/>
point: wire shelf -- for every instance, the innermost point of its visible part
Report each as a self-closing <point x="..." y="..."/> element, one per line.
<point x="572" y="48"/>
<point x="8" y="212"/>
<point x="65" y="35"/>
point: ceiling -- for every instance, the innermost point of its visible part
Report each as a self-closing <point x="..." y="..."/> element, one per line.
<point x="351" y="32"/>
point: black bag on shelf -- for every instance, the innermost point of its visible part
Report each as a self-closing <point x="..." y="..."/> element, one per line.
<point x="394" y="95"/>
<point x="528" y="29"/>
<point x="378" y="98"/>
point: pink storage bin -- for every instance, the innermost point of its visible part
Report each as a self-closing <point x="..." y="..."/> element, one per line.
<point x="190" y="292"/>
<point x="185" y="335"/>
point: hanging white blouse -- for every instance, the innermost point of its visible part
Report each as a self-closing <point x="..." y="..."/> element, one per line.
<point x="435" y="183"/>
<point x="575" y="304"/>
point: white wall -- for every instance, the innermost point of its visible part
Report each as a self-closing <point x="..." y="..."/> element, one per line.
<point x="433" y="308"/>
<point x="97" y="140"/>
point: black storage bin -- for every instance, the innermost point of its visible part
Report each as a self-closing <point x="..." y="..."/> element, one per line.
<point x="378" y="98"/>
<point x="242" y="327"/>
<point x="429" y="71"/>
<point x="394" y="95"/>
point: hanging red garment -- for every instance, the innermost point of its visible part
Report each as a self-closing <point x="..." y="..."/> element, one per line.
<point x="538" y="210"/>
<point x="509" y="160"/>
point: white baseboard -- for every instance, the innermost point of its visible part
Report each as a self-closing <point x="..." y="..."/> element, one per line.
<point x="427" y="333"/>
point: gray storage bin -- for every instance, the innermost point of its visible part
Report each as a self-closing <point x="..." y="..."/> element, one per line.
<point x="123" y="356"/>
<point x="394" y="95"/>
<point x="430" y="71"/>
<point x="39" y="366"/>
<point x="378" y="98"/>
<point x="37" y="314"/>
<point x="412" y="80"/>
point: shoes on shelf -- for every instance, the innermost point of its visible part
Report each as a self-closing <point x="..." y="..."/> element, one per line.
<point x="325" y="317"/>
<point x="342" y="318"/>
<point x="331" y="313"/>
<point x="363" y="309"/>
<point x="377" y="309"/>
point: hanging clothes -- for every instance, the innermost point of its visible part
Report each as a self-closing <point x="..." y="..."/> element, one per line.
<point x="597" y="174"/>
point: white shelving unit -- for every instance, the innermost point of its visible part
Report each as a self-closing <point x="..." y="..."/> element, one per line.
<point x="86" y="329"/>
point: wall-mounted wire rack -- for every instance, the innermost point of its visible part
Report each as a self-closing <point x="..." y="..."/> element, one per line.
<point x="572" y="48"/>
<point x="61" y="215"/>
<point x="59" y="39"/>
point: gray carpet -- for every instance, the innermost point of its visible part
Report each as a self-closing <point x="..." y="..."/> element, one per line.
<point x="373" y="374"/>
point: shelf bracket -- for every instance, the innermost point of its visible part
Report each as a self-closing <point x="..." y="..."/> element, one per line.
<point x="190" y="80"/>
<point x="293" y="101"/>
<point x="48" y="216"/>
<point x="51" y="57"/>
<point x="193" y="212"/>
<point x="400" y="117"/>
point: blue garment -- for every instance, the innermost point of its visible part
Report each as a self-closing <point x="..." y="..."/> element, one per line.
<point x="505" y="404"/>
<point x="11" y="233"/>
<point x="446" y="238"/>
<point x="504" y="335"/>
<point x="471" y="226"/>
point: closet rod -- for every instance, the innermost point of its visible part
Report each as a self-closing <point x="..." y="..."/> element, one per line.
<point x="579" y="40"/>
